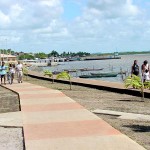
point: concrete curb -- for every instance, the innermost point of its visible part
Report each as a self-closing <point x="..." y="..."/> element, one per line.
<point x="110" y="88"/>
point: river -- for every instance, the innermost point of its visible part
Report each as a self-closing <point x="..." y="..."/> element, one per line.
<point x="110" y="65"/>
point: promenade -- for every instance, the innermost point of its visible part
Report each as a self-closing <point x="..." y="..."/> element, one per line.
<point x="53" y="121"/>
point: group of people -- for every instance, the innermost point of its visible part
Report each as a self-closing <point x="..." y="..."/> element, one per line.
<point x="145" y="70"/>
<point x="10" y="71"/>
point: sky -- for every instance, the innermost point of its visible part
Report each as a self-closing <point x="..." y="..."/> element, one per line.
<point x="94" y="26"/>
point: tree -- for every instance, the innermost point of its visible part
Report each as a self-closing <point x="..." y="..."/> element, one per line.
<point x="41" y="55"/>
<point x="9" y="51"/>
<point x="53" y="53"/>
<point x="64" y="54"/>
<point x="72" y="54"/>
<point x="65" y="75"/>
<point x="49" y="74"/>
<point x="26" y="56"/>
<point x="12" y="52"/>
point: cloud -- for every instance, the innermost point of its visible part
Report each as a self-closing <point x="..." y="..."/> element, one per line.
<point x="30" y="13"/>
<point x="107" y="19"/>
<point x="32" y="17"/>
<point x="113" y="9"/>
<point x="5" y="20"/>
<point x="101" y="24"/>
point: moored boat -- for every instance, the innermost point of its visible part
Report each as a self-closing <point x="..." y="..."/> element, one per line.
<point x="91" y="69"/>
<point x="99" y="75"/>
<point x="83" y="69"/>
<point x="109" y="74"/>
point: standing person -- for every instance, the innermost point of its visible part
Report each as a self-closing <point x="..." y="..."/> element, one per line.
<point x="11" y="72"/>
<point x="145" y="71"/>
<point x="19" y="71"/>
<point x="135" y="68"/>
<point x="3" y="69"/>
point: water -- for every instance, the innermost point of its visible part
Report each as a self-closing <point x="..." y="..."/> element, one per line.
<point x="110" y="65"/>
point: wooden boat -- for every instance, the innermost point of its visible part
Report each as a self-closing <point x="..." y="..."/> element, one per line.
<point x="56" y="72"/>
<point x="99" y="75"/>
<point x="83" y="69"/>
<point x="109" y="74"/>
<point x="122" y="72"/>
<point x="90" y="69"/>
<point x="72" y="70"/>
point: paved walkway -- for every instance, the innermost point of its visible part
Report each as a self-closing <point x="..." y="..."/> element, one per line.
<point x="53" y="121"/>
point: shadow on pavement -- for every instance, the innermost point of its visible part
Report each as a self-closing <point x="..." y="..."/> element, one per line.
<point x="126" y="100"/>
<point x="138" y="128"/>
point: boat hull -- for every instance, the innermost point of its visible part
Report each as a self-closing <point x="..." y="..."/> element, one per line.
<point x="98" y="75"/>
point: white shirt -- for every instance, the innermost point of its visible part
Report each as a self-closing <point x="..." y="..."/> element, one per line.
<point x="146" y="76"/>
<point x="146" y="67"/>
<point x="19" y="67"/>
<point x="12" y="70"/>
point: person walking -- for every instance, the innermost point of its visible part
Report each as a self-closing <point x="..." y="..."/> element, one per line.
<point x="11" y="72"/>
<point x="19" y="71"/>
<point x="145" y="71"/>
<point x="3" y="69"/>
<point x="135" y="68"/>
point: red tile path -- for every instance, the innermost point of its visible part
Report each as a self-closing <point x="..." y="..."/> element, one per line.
<point x="56" y="124"/>
<point x="51" y="107"/>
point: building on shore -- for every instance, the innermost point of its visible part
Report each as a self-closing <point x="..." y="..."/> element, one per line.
<point x="40" y="62"/>
<point x="8" y="58"/>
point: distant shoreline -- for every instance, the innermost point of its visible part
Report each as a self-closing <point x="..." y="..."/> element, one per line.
<point x="126" y="53"/>
<point x="134" y="53"/>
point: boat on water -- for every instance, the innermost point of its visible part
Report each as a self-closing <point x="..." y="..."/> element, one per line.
<point x="56" y="72"/>
<point x="91" y="69"/>
<point x="106" y="74"/>
<point x="71" y="70"/>
<point x="84" y="69"/>
<point x="99" y="75"/>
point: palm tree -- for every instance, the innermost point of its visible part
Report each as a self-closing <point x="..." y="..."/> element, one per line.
<point x="65" y="75"/>
<point x="49" y="74"/>
<point x="135" y="82"/>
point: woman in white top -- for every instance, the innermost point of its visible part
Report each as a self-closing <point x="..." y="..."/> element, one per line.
<point x="145" y="71"/>
<point x="12" y="71"/>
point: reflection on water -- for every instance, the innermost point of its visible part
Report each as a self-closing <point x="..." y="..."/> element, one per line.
<point x="111" y="65"/>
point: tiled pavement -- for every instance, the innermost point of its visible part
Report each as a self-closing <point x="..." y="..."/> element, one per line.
<point x="53" y="121"/>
